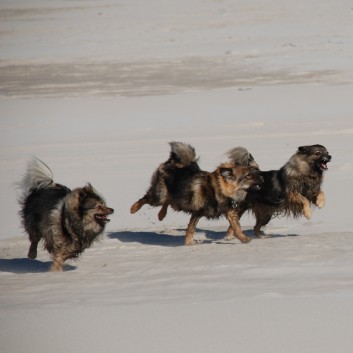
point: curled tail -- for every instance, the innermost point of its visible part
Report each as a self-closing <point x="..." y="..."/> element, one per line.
<point x="38" y="175"/>
<point x="242" y="157"/>
<point x="182" y="154"/>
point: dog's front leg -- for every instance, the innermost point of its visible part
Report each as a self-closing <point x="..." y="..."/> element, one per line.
<point x="189" y="238"/>
<point x="303" y="201"/>
<point x="230" y="234"/>
<point x="233" y="219"/>
<point x="230" y="231"/>
<point x="320" y="199"/>
<point x="58" y="263"/>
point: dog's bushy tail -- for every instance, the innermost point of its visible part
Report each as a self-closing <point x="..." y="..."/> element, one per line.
<point x="242" y="157"/>
<point x="38" y="175"/>
<point x="182" y="154"/>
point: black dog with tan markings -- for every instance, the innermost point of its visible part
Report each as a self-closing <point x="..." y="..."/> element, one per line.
<point x="181" y="184"/>
<point x="67" y="221"/>
<point x="289" y="191"/>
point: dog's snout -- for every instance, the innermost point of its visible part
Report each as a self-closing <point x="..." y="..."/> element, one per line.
<point x="327" y="158"/>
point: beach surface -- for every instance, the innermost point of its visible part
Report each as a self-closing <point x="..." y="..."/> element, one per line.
<point x="97" y="89"/>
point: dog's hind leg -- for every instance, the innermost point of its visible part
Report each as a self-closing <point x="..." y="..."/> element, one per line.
<point x="320" y="200"/>
<point x="233" y="219"/>
<point x="138" y="204"/>
<point x="32" y="252"/>
<point x="34" y="239"/>
<point x="262" y="218"/>
<point x="163" y="211"/>
<point x="189" y="238"/>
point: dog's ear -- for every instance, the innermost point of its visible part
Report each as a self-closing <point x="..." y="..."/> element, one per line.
<point x="88" y="189"/>
<point x="226" y="173"/>
<point x="79" y="194"/>
<point x="303" y="149"/>
<point x="84" y="192"/>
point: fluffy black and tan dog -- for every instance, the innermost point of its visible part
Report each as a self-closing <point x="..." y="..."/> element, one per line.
<point x="180" y="183"/>
<point x="67" y="221"/>
<point x="181" y="155"/>
<point x="289" y="191"/>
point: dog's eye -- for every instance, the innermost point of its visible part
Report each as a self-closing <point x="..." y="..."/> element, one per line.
<point x="99" y="207"/>
<point x="318" y="153"/>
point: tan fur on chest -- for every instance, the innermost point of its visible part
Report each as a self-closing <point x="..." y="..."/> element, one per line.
<point x="297" y="167"/>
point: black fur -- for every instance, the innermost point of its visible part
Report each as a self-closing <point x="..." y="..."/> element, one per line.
<point x="67" y="221"/>
<point x="290" y="190"/>
<point x="180" y="183"/>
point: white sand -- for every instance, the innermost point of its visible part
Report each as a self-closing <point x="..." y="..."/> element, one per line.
<point x="97" y="89"/>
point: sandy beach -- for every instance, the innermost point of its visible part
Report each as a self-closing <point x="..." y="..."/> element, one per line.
<point x="97" y="89"/>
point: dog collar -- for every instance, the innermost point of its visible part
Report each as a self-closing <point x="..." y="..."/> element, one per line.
<point x="233" y="203"/>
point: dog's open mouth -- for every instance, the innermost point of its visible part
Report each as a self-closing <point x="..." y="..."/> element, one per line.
<point x="323" y="165"/>
<point x="101" y="218"/>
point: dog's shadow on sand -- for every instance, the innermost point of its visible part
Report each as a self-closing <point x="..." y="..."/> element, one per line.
<point x="24" y="265"/>
<point x="163" y="239"/>
<point x="170" y="240"/>
<point x="148" y="238"/>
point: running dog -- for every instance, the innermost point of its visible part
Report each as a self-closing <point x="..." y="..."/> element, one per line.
<point x="180" y="183"/>
<point x="289" y="191"/>
<point x="67" y="221"/>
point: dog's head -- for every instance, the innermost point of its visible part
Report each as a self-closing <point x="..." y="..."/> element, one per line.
<point x="238" y="180"/>
<point x="88" y="207"/>
<point x="316" y="156"/>
<point x="248" y="178"/>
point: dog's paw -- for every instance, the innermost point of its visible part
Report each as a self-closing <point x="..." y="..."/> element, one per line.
<point x="230" y="234"/>
<point x="32" y="254"/>
<point x="307" y="212"/>
<point x="320" y="200"/>
<point x="229" y="237"/>
<point x="263" y="235"/>
<point x="134" y="208"/>
<point x="260" y="234"/>
<point x="55" y="267"/>
<point x="190" y="242"/>
<point x="245" y="239"/>
<point x="161" y="214"/>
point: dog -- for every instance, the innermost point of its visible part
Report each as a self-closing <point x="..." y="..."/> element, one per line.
<point x="67" y="221"/>
<point x="180" y="183"/>
<point x="289" y="191"/>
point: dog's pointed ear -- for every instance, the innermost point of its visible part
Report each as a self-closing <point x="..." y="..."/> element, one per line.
<point x="226" y="173"/>
<point x="82" y="193"/>
<point x="303" y="149"/>
<point x="88" y="189"/>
